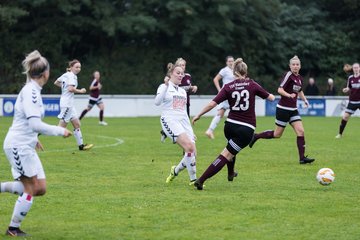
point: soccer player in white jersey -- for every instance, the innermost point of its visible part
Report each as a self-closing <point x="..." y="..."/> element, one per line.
<point x="68" y="83"/>
<point x="227" y="76"/>
<point x="22" y="139"/>
<point x="175" y="121"/>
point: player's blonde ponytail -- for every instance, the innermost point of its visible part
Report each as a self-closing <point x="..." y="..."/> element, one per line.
<point x="179" y="61"/>
<point x="294" y="58"/>
<point x="34" y="65"/>
<point x="240" y="68"/>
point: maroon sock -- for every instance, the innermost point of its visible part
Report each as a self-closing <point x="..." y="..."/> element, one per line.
<point x="214" y="168"/>
<point x="230" y="166"/>
<point x="101" y="115"/>
<point x="266" y="134"/>
<point x="83" y="114"/>
<point x="342" y="126"/>
<point x="301" y="146"/>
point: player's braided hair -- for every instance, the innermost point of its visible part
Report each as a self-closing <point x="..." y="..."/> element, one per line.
<point x="34" y="65"/>
<point x="240" y="68"/>
<point x="72" y="63"/>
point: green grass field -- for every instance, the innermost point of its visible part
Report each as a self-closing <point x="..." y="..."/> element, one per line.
<point x="117" y="190"/>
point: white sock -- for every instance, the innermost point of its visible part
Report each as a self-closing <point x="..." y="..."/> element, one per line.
<point x="214" y="122"/>
<point x="15" y="187"/>
<point x="190" y="162"/>
<point x="22" y="207"/>
<point x="78" y="136"/>
<point x="181" y="166"/>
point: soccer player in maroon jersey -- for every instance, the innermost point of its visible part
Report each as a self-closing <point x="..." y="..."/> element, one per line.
<point x="286" y="110"/>
<point x="186" y="84"/>
<point x="353" y="85"/>
<point x="95" y="98"/>
<point x="241" y="122"/>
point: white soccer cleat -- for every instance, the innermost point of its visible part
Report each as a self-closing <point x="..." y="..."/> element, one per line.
<point x="103" y="123"/>
<point x="338" y="136"/>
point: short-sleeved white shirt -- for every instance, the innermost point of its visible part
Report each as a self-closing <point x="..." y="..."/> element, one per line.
<point x="174" y="102"/>
<point x="28" y="104"/>
<point x="67" y="98"/>
<point x="227" y="75"/>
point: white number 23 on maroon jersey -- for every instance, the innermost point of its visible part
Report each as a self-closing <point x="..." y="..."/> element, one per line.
<point x="244" y="96"/>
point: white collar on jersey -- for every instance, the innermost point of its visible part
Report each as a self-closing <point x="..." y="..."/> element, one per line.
<point x="35" y="83"/>
<point x="174" y="85"/>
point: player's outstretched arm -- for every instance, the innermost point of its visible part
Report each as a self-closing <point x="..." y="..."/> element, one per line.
<point x="206" y="109"/>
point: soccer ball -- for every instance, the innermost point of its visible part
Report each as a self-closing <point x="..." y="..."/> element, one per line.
<point x="325" y="176"/>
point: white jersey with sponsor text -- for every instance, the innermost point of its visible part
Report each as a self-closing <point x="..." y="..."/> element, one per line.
<point x="28" y="104"/>
<point x="67" y="98"/>
<point x="174" y="102"/>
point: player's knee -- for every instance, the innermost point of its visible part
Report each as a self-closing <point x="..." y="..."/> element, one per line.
<point x="300" y="132"/>
<point x="277" y="134"/>
<point x="76" y="124"/>
<point x="190" y="147"/>
<point x="346" y="117"/>
<point x="40" y="192"/>
<point x="39" y="189"/>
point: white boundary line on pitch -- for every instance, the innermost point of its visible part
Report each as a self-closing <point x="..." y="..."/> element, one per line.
<point x="118" y="142"/>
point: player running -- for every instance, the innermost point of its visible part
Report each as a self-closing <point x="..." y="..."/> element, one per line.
<point x="227" y="76"/>
<point x="241" y="122"/>
<point x="286" y="110"/>
<point x="22" y="139"/>
<point x="68" y="83"/>
<point x="95" y="98"/>
<point x="353" y="86"/>
<point x="175" y="121"/>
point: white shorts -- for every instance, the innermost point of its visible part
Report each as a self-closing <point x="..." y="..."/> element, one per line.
<point x="224" y="105"/>
<point x="67" y="114"/>
<point x="174" y="127"/>
<point x="24" y="161"/>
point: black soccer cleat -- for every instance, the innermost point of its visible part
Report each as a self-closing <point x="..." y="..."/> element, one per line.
<point x="84" y="147"/>
<point x="198" y="185"/>
<point x="252" y="142"/>
<point x="16" y="232"/>
<point x="231" y="176"/>
<point x="163" y="136"/>
<point x="306" y="160"/>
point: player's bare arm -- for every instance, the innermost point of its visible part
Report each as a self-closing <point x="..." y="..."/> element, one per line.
<point x="302" y="96"/>
<point x="216" y="81"/>
<point x="57" y="83"/>
<point x="206" y="109"/>
<point x="282" y="92"/>
<point x="75" y="90"/>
